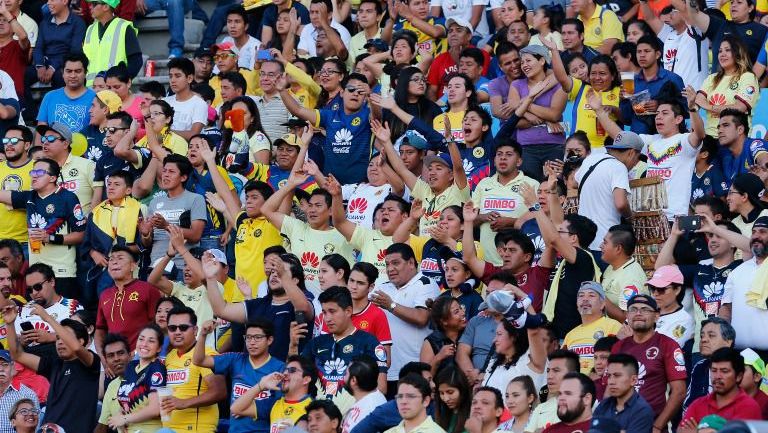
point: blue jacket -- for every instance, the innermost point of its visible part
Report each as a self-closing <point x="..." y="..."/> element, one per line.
<point x="699" y="383"/>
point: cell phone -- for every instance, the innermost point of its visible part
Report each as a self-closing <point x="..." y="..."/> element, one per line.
<point x="689" y="223"/>
<point x="264" y="55"/>
<point x="301" y="318"/>
<point x="26" y="326"/>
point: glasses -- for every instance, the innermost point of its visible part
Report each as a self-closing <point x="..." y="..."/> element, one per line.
<point x="50" y="138"/>
<point x="564" y="232"/>
<point x="13" y="141"/>
<point x="39" y="172"/>
<point x="223" y="56"/>
<point x="38" y="287"/>
<point x="418" y="79"/>
<point x="257" y="337"/>
<point x="732" y="191"/>
<point x="326" y="72"/>
<point x="25" y="412"/>
<point x="640" y="310"/>
<point x="407" y="396"/>
<point x="112" y="129"/>
<point x="271" y="74"/>
<point x="358" y="91"/>
<point x="659" y="290"/>
<point x="291" y="370"/>
<point x="183" y="328"/>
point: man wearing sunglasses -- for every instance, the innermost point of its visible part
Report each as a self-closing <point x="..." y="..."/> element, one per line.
<point x="14" y="176"/>
<point x="55" y="221"/>
<point x="225" y="56"/>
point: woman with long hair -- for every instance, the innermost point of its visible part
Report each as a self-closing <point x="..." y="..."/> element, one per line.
<point x="259" y="145"/>
<point x="119" y="81"/>
<point x="334" y="271"/>
<point x="509" y="12"/>
<point x="732" y="86"/>
<point x="578" y="67"/>
<point x="158" y="125"/>
<point x="636" y="29"/>
<point x="164" y="306"/>
<point x="331" y="75"/>
<point x="521" y="398"/>
<point x="138" y="392"/>
<point x="539" y="132"/>
<point x="24" y="416"/>
<point x="449" y="320"/>
<point x="454" y="399"/>
<point x="604" y="79"/>
<point x="411" y="96"/>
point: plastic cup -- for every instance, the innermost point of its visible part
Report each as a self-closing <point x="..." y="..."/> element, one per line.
<point x="35" y="244"/>
<point x="163" y="393"/>
<point x="628" y="82"/>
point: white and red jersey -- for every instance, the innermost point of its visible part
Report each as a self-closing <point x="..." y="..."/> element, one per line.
<point x="63" y="309"/>
<point x="362" y="199"/>
<point x="361" y="409"/>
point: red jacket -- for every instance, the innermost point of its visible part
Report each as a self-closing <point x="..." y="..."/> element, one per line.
<point x="741" y="407"/>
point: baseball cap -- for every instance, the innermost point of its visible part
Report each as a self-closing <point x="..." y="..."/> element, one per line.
<point x="593" y="286"/>
<point x="504" y="303"/>
<point x="761" y="222"/>
<point x="218" y="255"/>
<point x="58" y="127"/>
<point x="538" y="50"/>
<point x="751" y="358"/>
<point x="111" y="3"/>
<point x="295" y="122"/>
<point x="202" y="52"/>
<point x="111" y="100"/>
<point x="225" y="46"/>
<point x="377" y="44"/>
<point x="442" y="158"/>
<point x="715" y="422"/>
<point x="5" y="356"/>
<point x="627" y="140"/>
<point x="412" y="138"/>
<point x="666" y="275"/>
<point x="289" y="139"/>
<point x="604" y="425"/>
<point x="461" y="22"/>
<point x="751" y="185"/>
<point x="643" y="299"/>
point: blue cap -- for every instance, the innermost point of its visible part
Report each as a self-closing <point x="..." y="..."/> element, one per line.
<point x="413" y="138"/>
<point x="5" y="356"/>
<point x="442" y="158"/>
<point x="377" y="44"/>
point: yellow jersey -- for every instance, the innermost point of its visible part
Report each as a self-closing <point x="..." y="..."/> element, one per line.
<point x="286" y="413"/>
<point x="602" y="25"/>
<point x="434" y="204"/>
<point x="744" y="89"/>
<point x="309" y="91"/>
<point x="12" y="178"/>
<point x="252" y="86"/>
<point x="584" y="117"/>
<point x="623" y="283"/>
<point x="456" y="120"/>
<point x="196" y="299"/>
<point x="109" y="404"/>
<point x="171" y="141"/>
<point x="581" y="340"/>
<point x="372" y="245"/>
<point x="252" y="236"/>
<point x="492" y="196"/>
<point x="311" y="245"/>
<point x="188" y="380"/>
<point x="77" y="177"/>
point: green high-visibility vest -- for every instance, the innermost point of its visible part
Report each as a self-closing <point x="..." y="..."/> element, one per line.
<point x="107" y="51"/>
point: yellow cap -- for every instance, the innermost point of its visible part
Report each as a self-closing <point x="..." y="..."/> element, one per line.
<point x="110" y="99"/>
<point x="290" y="139"/>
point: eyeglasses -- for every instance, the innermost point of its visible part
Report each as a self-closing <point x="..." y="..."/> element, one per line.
<point x="50" y="138"/>
<point x="25" y="412"/>
<point x="640" y="310"/>
<point x="659" y="290"/>
<point x="38" y="287"/>
<point x="183" y="328"/>
<point x="112" y="129"/>
<point x="418" y="79"/>
<point x="564" y="232"/>
<point x="407" y="396"/>
<point x="257" y="337"/>
<point x="732" y="191"/>
<point x="223" y="56"/>
<point x="291" y="370"/>
<point x="39" y="172"/>
<point x="326" y="72"/>
<point x="13" y="141"/>
<point x="353" y="89"/>
<point x="270" y="74"/>
<point x="156" y="114"/>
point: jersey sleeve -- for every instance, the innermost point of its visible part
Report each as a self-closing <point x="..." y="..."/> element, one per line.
<point x="290" y="226"/>
<point x="674" y="361"/>
<point x="749" y="90"/>
<point x="323" y="117"/>
<point x="376" y="350"/>
<point x="611" y="26"/>
<point x="222" y="364"/>
<point x="417" y="245"/>
<point x="360" y="237"/>
<point x="421" y="190"/>
<point x="381" y="330"/>
<point x="19" y="199"/>
<point x="75" y="217"/>
<point x="576" y="86"/>
<point x="156" y="376"/>
<point x="427" y="291"/>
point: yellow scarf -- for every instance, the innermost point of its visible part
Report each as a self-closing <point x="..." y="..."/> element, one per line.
<point x="549" y="305"/>
<point x="118" y="222"/>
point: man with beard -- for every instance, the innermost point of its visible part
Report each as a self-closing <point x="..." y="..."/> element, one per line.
<point x="245" y="370"/>
<point x="661" y="360"/>
<point x="361" y="381"/>
<point x="574" y="404"/>
<point x="561" y="363"/>
<point x="744" y="300"/>
<point x="12" y="255"/>
<point x="196" y="390"/>
<point x="14" y="176"/>
<point x="294" y="382"/>
<point x="594" y="324"/>
<point x="726" y="399"/>
<point x="622" y="402"/>
<point x="117" y="353"/>
<point x="286" y="296"/>
<point x="334" y="352"/>
<point x="716" y="333"/>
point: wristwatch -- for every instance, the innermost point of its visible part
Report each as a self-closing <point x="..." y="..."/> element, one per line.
<point x="392" y="306"/>
<point x="535" y="208"/>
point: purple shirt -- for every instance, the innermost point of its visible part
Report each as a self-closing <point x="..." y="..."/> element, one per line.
<point x="536" y="134"/>
<point x="499" y="86"/>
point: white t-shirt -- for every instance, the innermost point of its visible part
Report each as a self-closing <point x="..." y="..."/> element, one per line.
<point x="361" y="409"/>
<point x="678" y="326"/>
<point x="362" y="199"/>
<point x="463" y="9"/>
<point x="7" y="87"/>
<point x="673" y="159"/>
<point x="680" y="55"/>
<point x="308" y="37"/>
<point x="247" y="57"/>
<point x="407" y="346"/>
<point x="500" y="376"/>
<point x="185" y="114"/>
<point x="596" y="201"/>
<point x="747" y="320"/>
<point x="64" y="309"/>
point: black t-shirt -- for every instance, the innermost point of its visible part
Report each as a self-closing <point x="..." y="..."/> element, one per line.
<point x="566" y="312"/>
<point x="74" y="392"/>
<point x="751" y="33"/>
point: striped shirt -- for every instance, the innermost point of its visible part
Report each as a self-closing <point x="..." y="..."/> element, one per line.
<point x="9" y="398"/>
<point x="273" y="114"/>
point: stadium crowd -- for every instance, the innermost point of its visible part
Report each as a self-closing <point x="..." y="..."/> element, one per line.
<point x="368" y="216"/>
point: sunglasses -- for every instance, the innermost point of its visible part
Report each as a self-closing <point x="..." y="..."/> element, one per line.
<point x="50" y="138"/>
<point x="182" y="328"/>
<point x="659" y="290"/>
<point x="112" y="129"/>
<point x="14" y="141"/>
<point x="38" y="287"/>
<point x="291" y="370"/>
<point x="39" y="172"/>
<point x="223" y="56"/>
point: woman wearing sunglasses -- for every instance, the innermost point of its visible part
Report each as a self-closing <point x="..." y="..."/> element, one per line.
<point x="137" y="394"/>
<point x="24" y="416"/>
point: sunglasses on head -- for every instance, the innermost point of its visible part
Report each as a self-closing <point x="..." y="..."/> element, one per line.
<point x="182" y="328"/>
<point x="38" y="287"/>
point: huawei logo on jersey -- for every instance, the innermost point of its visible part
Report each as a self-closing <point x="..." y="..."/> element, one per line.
<point x="358" y="205"/>
<point x="717" y="99"/>
<point x="671" y="54"/>
<point x="309" y="259"/>
<point x="380" y="256"/>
